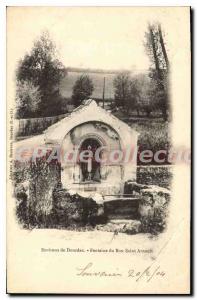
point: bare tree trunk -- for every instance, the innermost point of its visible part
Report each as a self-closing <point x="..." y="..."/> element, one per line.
<point x="163" y="47"/>
<point x="154" y="51"/>
<point x="157" y="66"/>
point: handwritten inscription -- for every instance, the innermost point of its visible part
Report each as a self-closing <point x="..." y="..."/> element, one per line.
<point x="89" y="271"/>
<point x="146" y="274"/>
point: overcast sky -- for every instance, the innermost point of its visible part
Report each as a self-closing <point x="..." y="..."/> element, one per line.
<point x="109" y="38"/>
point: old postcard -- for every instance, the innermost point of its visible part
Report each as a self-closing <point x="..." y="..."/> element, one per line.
<point x="98" y="150"/>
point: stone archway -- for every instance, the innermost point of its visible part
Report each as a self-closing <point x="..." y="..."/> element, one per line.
<point x="91" y="169"/>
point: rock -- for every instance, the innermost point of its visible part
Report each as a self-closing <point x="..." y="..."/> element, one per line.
<point x="133" y="227"/>
<point x="145" y="210"/>
<point x="121" y="226"/>
<point x="75" y="208"/>
<point x="155" y="196"/>
<point x="98" y="198"/>
<point x="153" y="205"/>
<point x="153" y="209"/>
<point x="133" y="188"/>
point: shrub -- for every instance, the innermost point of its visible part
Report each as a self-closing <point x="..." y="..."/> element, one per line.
<point x="74" y="209"/>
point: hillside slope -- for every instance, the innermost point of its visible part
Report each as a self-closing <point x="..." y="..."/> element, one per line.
<point x="97" y="78"/>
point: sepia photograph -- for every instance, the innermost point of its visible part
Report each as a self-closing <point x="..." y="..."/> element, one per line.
<point x="98" y="137"/>
<point x="93" y="145"/>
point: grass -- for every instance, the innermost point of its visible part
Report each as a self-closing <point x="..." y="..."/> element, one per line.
<point x="154" y="134"/>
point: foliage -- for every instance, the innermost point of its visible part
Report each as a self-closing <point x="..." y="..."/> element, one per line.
<point x="155" y="175"/>
<point x="134" y="96"/>
<point x="82" y="89"/>
<point x="127" y="92"/>
<point x="27" y="99"/>
<point x="154" y="209"/>
<point x="34" y="182"/>
<point x="45" y="71"/>
<point x="122" y="88"/>
<point x="154" y="134"/>
<point x="76" y="210"/>
<point x="21" y="205"/>
<point x="159" y="72"/>
<point x="159" y="91"/>
<point x="153" y="206"/>
<point x="155" y="223"/>
<point x="154" y="44"/>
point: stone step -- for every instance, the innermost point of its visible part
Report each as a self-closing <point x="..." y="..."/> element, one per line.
<point x="113" y="198"/>
<point x="122" y="226"/>
<point x="122" y="209"/>
<point x="121" y="221"/>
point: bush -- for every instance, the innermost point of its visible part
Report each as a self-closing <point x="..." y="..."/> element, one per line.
<point x="74" y="209"/>
<point x="154" y="136"/>
<point x="21" y="205"/>
<point x="153" y="206"/>
<point x="155" y="175"/>
<point x="154" y="209"/>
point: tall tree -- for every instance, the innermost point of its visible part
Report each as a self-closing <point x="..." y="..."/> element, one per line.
<point x="159" y="71"/>
<point x="122" y="89"/>
<point x="42" y="68"/>
<point x="127" y="92"/>
<point x="163" y="47"/>
<point x="82" y="89"/>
